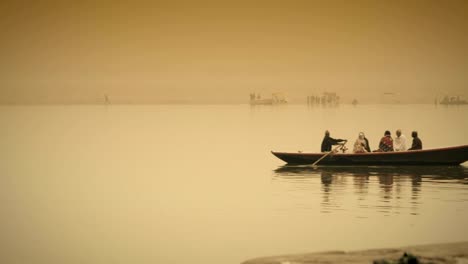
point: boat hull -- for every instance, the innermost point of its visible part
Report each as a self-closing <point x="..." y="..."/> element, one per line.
<point x="441" y="156"/>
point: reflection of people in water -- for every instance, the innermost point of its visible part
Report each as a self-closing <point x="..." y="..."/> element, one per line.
<point x="386" y="183"/>
<point x="329" y="179"/>
<point x="361" y="182"/>
<point x="326" y="178"/>
<point x="415" y="186"/>
<point x="398" y="189"/>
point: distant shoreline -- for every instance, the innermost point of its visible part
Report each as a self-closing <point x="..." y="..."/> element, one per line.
<point x="142" y="103"/>
<point x="434" y="253"/>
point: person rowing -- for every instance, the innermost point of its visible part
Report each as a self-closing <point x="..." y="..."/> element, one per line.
<point x="328" y="142"/>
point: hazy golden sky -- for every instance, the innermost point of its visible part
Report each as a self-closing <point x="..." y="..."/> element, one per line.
<point x="220" y="51"/>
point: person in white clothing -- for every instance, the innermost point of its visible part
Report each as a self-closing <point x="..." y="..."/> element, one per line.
<point x="399" y="143"/>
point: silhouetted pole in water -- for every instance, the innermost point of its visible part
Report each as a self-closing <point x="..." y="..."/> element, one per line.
<point x="330" y="152"/>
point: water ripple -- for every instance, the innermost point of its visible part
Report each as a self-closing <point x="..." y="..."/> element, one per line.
<point x="375" y="190"/>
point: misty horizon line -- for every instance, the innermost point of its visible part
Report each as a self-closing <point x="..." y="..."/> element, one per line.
<point x="397" y="97"/>
<point x="211" y="103"/>
<point x="106" y="99"/>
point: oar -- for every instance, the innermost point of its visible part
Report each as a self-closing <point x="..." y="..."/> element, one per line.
<point x="326" y="154"/>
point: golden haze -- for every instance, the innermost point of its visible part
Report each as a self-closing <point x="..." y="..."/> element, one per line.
<point x="219" y="52"/>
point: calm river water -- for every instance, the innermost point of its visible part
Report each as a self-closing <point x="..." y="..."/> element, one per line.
<point x="197" y="184"/>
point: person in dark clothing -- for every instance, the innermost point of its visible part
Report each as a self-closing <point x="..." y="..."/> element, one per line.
<point x="386" y="143"/>
<point x="367" y="144"/>
<point x="328" y="142"/>
<point x="417" y="144"/>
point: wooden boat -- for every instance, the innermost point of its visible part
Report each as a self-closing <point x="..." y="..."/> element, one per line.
<point x="440" y="156"/>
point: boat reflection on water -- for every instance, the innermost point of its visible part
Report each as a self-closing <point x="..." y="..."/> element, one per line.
<point x="387" y="190"/>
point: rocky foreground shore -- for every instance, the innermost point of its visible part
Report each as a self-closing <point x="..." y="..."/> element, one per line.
<point x="456" y="253"/>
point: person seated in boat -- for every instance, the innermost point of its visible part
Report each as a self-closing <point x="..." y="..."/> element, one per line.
<point x="386" y="143"/>
<point x="360" y="146"/>
<point x="367" y="143"/>
<point x="328" y="142"/>
<point x="399" y="143"/>
<point x="417" y="144"/>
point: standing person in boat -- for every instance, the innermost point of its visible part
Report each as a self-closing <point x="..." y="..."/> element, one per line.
<point x="386" y="143"/>
<point x="361" y="145"/>
<point x="417" y="144"/>
<point x="328" y="142"/>
<point x="399" y="143"/>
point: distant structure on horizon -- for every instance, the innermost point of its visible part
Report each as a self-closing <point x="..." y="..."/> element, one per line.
<point x="390" y="98"/>
<point x="276" y="98"/>
<point x="326" y="99"/>
<point x="452" y="100"/>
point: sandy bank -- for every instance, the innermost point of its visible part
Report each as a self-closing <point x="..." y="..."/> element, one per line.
<point x="456" y="253"/>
